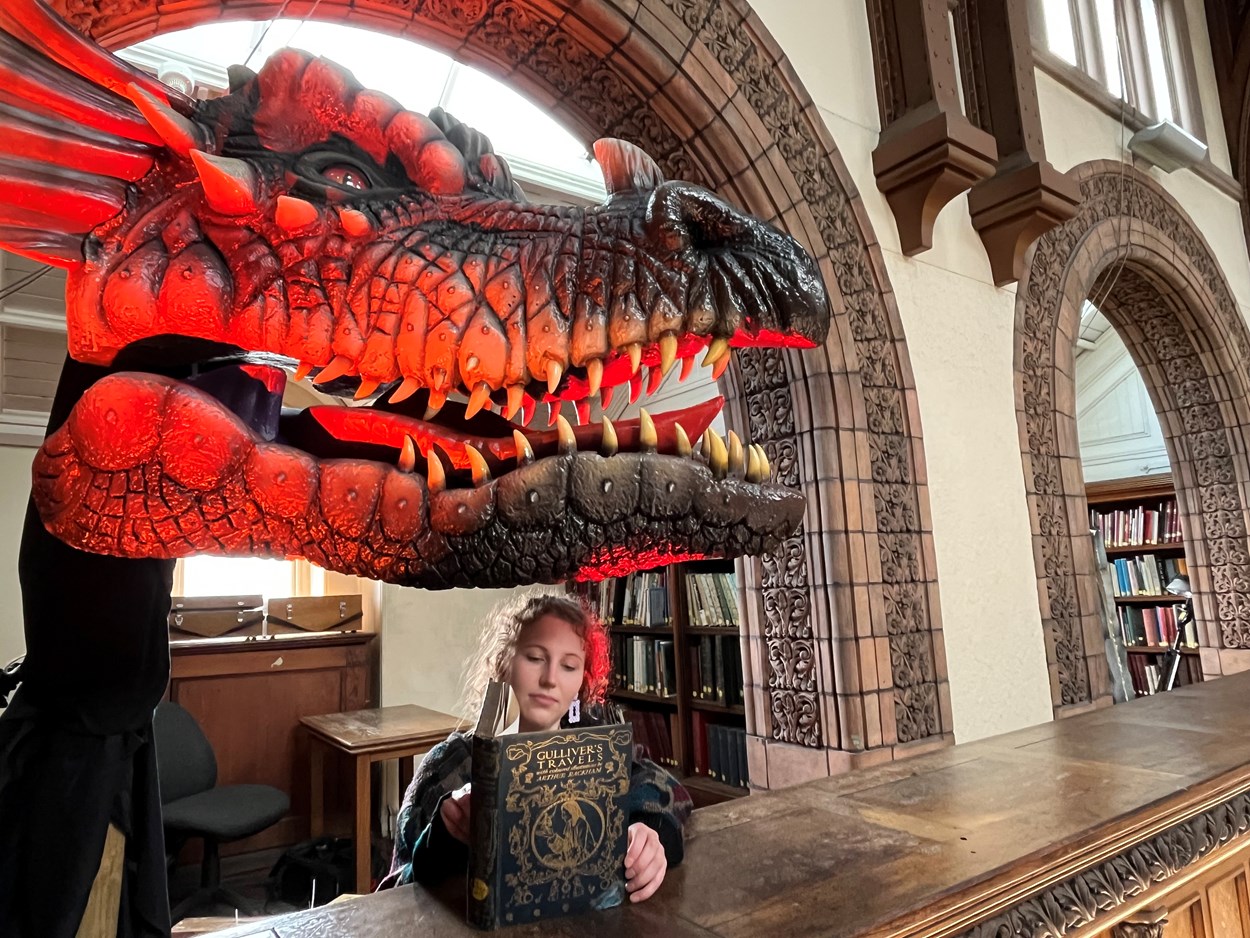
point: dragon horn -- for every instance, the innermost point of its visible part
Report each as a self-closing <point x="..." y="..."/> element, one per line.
<point x="179" y="133"/>
<point x="230" y="186"/>
<point x="626" y="168"/>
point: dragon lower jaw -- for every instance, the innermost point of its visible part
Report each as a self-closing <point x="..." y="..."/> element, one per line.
<point x="148" y="467"/>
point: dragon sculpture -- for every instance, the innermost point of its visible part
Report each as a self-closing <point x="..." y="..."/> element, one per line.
<point x="301" y="224"/>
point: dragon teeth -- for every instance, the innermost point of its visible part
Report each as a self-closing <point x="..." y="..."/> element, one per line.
<point x="608" y="442"/>
<point x="715" y="352"/>
<point x="435" y="477"/>
<point x="564" y="434"/>
<point x="524" y="454"/>
<point x="339" y="366"/>
<point x="684" y="449"/>
<point x="737" y="458"/>
<point x="477" y="465"/>
<point x="408" y="455"/>
<point x="668" y="352"/>
<point x="648" y="439"/>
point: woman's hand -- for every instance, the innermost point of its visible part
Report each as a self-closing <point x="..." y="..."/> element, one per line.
<point x="645" y="863"/>
<point x="455" y="812"/>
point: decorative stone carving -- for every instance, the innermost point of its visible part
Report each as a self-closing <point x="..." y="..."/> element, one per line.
<point x="1154" y="244"/>
<point x="876" y="344"/>
<point x="1148" y="923"/>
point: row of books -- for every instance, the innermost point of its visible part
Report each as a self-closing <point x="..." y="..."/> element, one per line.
<point x="1146" y="673"/>
<point x="1147" y="575"/>
<point x="1139" y="526"/>
<point x="599" y="596"/>
<point x="644" y="600"/>
<point x="1154" y="625"/>
<point x="715" y="663"/>
<point x="654" y="731"/>
<point x="645" y="665"/>
<point x="719" y="751"/>
<point x="713" y="600"/>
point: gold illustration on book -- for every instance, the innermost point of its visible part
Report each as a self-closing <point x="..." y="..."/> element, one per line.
<point x="559" y="788"/>
<point x="549" y="814"/>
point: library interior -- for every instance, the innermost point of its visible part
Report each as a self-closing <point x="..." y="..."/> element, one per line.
<point x="873" y="375"/>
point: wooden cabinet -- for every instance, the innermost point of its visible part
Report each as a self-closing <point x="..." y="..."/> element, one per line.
<point x="249" y="696"/>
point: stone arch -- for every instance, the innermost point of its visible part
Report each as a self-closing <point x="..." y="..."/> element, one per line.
<point x="843" y="627"/>
<point x="1166" y="296"/>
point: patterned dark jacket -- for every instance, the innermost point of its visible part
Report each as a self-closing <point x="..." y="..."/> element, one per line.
<point x="425" y="852"/>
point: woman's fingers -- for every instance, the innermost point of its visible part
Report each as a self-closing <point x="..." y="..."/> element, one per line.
<point x="650" y="878"/>
<point x="634" y="845"/>
<point x="455" y="813"/>
<point x="645" y="862"/>
<point x="653" y="879"/>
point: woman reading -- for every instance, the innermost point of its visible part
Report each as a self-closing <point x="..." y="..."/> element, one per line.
<point x="554" y="655"/>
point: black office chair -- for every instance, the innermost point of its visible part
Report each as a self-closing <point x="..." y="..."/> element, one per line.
<point x="194" y="806"/>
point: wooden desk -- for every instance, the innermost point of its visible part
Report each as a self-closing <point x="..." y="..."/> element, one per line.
<point x="369" y="736"/>
<point x="1065" y="829"/>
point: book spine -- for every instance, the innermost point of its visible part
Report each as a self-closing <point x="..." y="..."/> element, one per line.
<point x="484" y="886"/>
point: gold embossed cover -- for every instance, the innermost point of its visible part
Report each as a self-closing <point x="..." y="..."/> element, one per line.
<point x="550" y="823"/>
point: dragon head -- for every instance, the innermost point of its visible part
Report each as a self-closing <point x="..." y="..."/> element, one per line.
<point x="301" y="223"/>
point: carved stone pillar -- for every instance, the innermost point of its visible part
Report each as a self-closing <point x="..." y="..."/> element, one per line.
<point x="1026" y="196"/>
<point x="929" y="152"/>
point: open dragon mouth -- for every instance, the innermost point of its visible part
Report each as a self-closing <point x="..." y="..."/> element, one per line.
<point x="149" y="466"/>
<point x="390" y="256"/>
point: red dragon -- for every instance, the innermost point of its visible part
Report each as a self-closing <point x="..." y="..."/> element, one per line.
<point x="303" y="224"/>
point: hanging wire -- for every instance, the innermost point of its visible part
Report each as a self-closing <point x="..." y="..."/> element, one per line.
<point x="25" y="281"/>
<point x="265" y="32"/>
<point x="1124" y="215"/>
<point x="300" y="25"/>
<point x="269" y="26"/>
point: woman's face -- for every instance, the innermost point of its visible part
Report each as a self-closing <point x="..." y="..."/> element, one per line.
<point x="546" y="672"/>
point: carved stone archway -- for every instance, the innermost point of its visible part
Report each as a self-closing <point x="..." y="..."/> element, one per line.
<point x="1132" y="246"/>
<point x="843" y="622"/>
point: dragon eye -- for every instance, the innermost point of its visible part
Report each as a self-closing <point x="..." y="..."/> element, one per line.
<point x="347" y="176"/>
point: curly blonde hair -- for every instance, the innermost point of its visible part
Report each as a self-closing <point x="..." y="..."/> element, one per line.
<point x="502" y="631"/>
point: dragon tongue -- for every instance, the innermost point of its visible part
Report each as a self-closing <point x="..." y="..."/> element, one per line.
<point x="693" y="420"/>
<point x="367" y="425"/>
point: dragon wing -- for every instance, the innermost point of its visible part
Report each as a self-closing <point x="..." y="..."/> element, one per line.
<point x="71" y="135"/>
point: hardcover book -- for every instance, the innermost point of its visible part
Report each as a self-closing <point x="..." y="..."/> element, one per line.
<point x="549" y="820"/>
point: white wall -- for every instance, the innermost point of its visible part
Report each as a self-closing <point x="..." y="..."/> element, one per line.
<point x="1115" y="418"/>
<point x="427" y="637"/>
<point x="958" y="327"/>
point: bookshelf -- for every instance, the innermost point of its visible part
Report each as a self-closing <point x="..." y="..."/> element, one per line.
<point x="677" y="677"/>
<point x="1141" y="533"/>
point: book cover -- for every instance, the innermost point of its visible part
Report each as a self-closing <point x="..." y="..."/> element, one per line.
<point x="548" y="816"/>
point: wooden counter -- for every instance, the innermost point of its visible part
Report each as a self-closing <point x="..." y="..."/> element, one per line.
<point x="1063" y="829"/>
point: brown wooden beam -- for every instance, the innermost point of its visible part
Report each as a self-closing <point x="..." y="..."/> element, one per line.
<point x="929" y="152"/>
<point x="1026" y="196"/>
